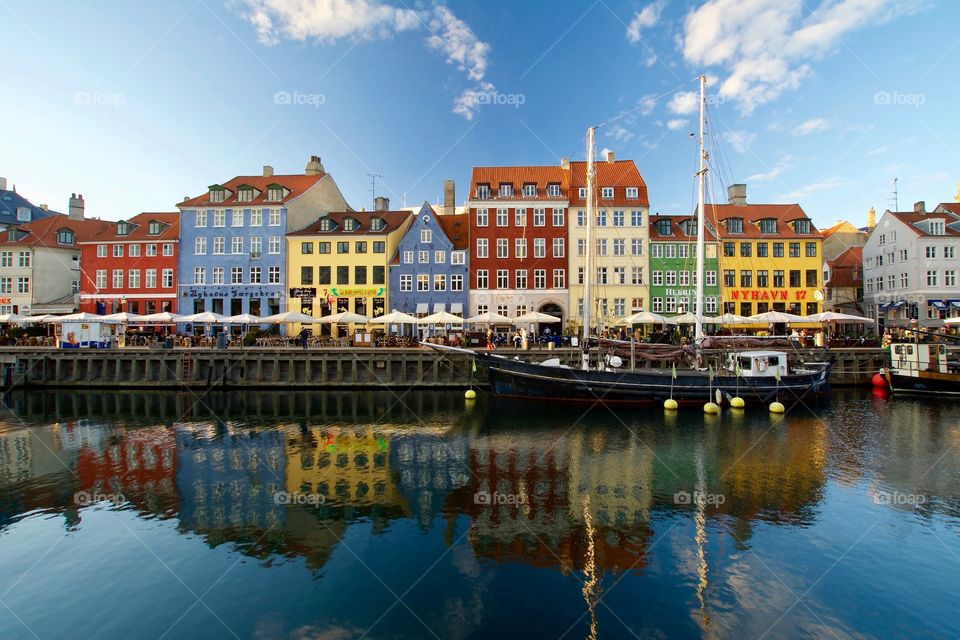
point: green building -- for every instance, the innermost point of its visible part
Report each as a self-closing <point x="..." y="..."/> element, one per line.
<point x="673" y="266"/>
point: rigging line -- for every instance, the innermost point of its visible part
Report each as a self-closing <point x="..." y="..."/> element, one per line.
<point x="645" y="103"/>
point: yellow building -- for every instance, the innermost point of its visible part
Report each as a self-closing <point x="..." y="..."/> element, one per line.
<point x="339" y="263"/>
<point x="770" y="256"/>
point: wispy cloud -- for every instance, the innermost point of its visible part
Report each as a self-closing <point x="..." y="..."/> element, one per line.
<point x="678" y="123"/>
<point x="772" y="173"/>
<point x="810" y="189"/>
<point x="739" y="140"/>
<point x="684" y="102"/>
<point x="619" y="133"/>
<point x="644" y="19"/>
<point x="329" y="21"/>
<point x="813" y="125"/>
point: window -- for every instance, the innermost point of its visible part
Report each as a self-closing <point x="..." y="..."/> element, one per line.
<point x="636" y="218"/>
<point x="768" y="225"/>
<point x="217" y="274"/>
<point x="671" y="278"/>
<point x="199" y="246"/>
<point x="408" y="257"/>
<point x="456" y="282"/>
<point x="657" y="305"/>
<point x="256" y="275"/>
<point x="306" y="248"/>
<point x="794" y="277"/>
<point x="633" y="193"/>
<point x="539" y="217"/>
<point x="360" y="274"/>
<point x="483" y="192"/>
<point x="520" y="217"/>
<point x="581" y="218"/>
<point x="581" y="246"/>
<point x="117" y="251"/>
<point x="553" y="190"/>
<point x="101" y="253"/>
<point x="636" y="247"/>
<point x="558" y="247"/>
<point x="746" y="249"/>
<point x="273" y="275"/>
<point x="948" y="252"/>
<point x="540" y="279"/>
<point x="237" y="219"/>
<point x="483" y="279"/>
<point x="602" y="247"/>
<point x="618" y="218"/>
<point x="606" y="193"/>
<point x="101" y="281"/>
<point x="306" y="275"/>
<point x="729" y="278"/>
<point x="503" y="249"/>
<point x="559" y="218"/>
<point x="256" y="217"/>
<point x="256" y="247"/>
<point x="711" y="279"/>
<point x="904" y="281"/>
<point x="930" y="251"/>
<point x="539" y="247"/>
<point x="439" y="282"/>
<point x="426" y="235"/>
<point x="794" y="249"/>
<point x="670" y="251"/>
<point x="762" y="249"/>
<point x="343" y="247"/>
<point x="481" y="217"/>
<point x="950" y="278"/>
<point x="763" y="279"/>
<point x="777" y="249"/>
<point x="891" y="281"/>
<point x="503" y="279"/>
<point x="151" y="279"/>
<point x="684" y="278"/>
<point x="406" y="282"/>
<point x="811" y="249"/>
<point x="502" y="218"/>
<point x="219" y="218"/>
<point x="520" y="248"/>
<point x="579" y="275"/>
<point x="23" y="284"/>
<point x="656" y="250"/>
<point x="273" y="245"/>
<point x="582" y="192"/>
<point x="274" y="218"/>
<point x="671" y="306"/>
<point x="506" y="190"/>
<point x="931" y="278"/>
<point x="658" y="278"/>
<point x="244" y="195"/>
<point x="636" y="275"/>
<point x="133" y="279"/>
<point x="483" y="249"/>
<point x="218" y="245"/>
<point x="602" y="218"/>
<point x="812" y="278"/>
<point x="236" y="245"/>
<point x="801" y="226"/>
<point x="167" y="278"/>
<point x="423" y="282"/>
<point x="236" y="275"/>
<point x="729" y="249"/>
<point x="274" y="193"/>
<point x="439" y="257"/>
<point x="65" y="236"/>
<point x="151" y="250"/>
<point x="735" y="225"/>
<point x="559" y="278"/>
<point x="619" y="275"/>
<point x="118" y="278"/>
<point x="200" y="219"/>
<point x="529" y="190"/>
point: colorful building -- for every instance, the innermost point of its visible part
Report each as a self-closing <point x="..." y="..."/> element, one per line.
<point x="132" y="266"/>
<point x="673" y="266"/>
<point x="843" y="282"/>
<point x="429" y="271"/>
<point x="518" y="237"/>
<point x="769" y="256"/>
<point x="339" y="263"/>
<point x="233" y="258"/>
<point x="620" y="234"/>
<point x="16" y="210"/>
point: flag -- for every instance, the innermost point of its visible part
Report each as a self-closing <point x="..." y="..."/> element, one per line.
<point x="674" y="366"/>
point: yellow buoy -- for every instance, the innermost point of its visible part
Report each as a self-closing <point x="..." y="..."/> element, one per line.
<point x="711" y="407"/>
<point x="470" y="394"/>
<point x="670" y="404"/>
<point x="777" y="407"/>
<point x="737" y="402"/>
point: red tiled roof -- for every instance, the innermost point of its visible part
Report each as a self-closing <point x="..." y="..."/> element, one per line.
<point x="677" y="229"/>
<point x="519" y="176"/>
<point x="953" y="207"/>
<point x="43" y="233"/>
<point x="457" y="229"/>
<point x="393" y="220"/>
<point x="753" y="213"/>
<point x="846" y="270"/>
<point x="851" y="257"/>
<point x="910" y="218"/>
<point x="295" y="184"/>
<point x="140" y="225"/>
<point x="842" y="225"/>
<point x="619" y="175"/>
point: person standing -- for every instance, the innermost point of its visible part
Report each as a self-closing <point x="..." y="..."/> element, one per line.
<point x="524" y="344"/>
<point x="490" y="345"/>
<point x="304" y="334"/>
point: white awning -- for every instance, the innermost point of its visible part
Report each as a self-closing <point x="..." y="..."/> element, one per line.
<point x="456" y="307"/>
<point x="439" y="306"/>
<point x="423" y="307"/>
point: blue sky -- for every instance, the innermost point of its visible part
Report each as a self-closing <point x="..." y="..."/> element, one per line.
<point x="819" y="102"/>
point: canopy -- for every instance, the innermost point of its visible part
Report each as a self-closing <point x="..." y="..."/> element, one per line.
<point x="489" y="318"/>
<point x="732" y="318"/>
<point x="12" y="318"/>
<point x="535" y="316"/>
<point x="777" y="317"/>
<point x="831" y="316"/>
<point x="344" y="317"/>
<point x="207" y="317"/>
<point x="164" y="317"/>
<point x="951" y="321"/>
<point x="74" y="317"/>
<point x="441" y="317"/>
<point x="122" y="317"/>
<point x="645" y="317"/>
<point x="686" y="318"/>
<point x="243" y="318"/>
<point x="396" y="317"/>
<point x="290" y="317"/>
<point x="41" y="318"/>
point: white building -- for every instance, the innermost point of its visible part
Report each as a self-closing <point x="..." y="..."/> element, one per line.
<point x="910" y="266"/>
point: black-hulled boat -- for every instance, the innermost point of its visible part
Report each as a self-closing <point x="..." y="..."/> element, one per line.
<point x="922" y="368"/>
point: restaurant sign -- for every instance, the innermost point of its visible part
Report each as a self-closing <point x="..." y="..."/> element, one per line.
<point x="757" y="295"/>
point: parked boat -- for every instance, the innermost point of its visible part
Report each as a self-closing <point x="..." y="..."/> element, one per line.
<point x="921" y="368"/>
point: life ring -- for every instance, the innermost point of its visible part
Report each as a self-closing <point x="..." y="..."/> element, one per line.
<point x="761" y="364"/>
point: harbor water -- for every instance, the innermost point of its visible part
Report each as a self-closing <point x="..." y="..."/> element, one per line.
<point x="414" y="514"/>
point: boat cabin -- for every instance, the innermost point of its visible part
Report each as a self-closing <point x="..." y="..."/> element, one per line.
<point x="756" y="364"/>
<point x="911" y="358"/>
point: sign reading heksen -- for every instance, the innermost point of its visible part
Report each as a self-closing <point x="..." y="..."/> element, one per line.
<point x="753" y="294"/>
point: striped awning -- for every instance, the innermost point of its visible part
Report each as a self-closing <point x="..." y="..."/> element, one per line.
<point x="884" y="306"/>
<point x="423" y="307"/>
<point x="939" y="304"/>
<point x="899" y="303"/>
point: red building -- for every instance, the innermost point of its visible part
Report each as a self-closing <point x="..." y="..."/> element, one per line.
<point x="518" y="238"/>
<point x="132" y="266"/>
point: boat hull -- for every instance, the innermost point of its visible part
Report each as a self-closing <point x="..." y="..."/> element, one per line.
<point x="926" y="383"/>
<point x="514" y="378"/>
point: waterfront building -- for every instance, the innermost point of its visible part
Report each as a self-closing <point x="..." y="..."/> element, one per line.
<point x="843" y="235"/>
<point x="673" y="266"/>
<point x="620" y="235"/>
<point x="843" y="282"/>
<point x="429" y="270"/>
<point x="518" y="240"/>
<point x="40" y="262"/>
<point x="131" y="266"/>
<point x="233" y="257"/>
<point x="769" y="256"/>
<point x="16" y="210"/>
<point x="339" y="262"/>
<point x="910" y="266"/>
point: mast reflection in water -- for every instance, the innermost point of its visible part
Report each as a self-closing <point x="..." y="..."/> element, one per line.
<point x="335" y="515"/>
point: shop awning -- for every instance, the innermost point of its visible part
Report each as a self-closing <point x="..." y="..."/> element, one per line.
<point x="899" y="303"/>
<point x="439" y="306"/>
<point x="955" y="303"/>
<point x="884" y="306"/>
<point x="456" y="307"/>
<point x="939" y="304"/>
<point x="423" y="307"/>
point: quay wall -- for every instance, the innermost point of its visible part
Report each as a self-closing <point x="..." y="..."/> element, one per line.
<point x="286" y="368"/>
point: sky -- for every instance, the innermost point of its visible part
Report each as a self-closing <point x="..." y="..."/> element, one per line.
<point x="820" y="102"/>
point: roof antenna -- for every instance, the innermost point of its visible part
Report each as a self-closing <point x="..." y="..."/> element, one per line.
<point x="373" y="188"/>
<point x="893" y="198"/>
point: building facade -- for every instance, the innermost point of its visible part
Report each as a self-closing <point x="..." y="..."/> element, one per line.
<point x="518" y="240"/>
<point x="16" y="210"/>
<point x="769" y="256"/>
<point x="843" y="282"/>
<point x="233" y="253"/>
<point x="620" y="285"/>
<point x="910" y="267"/>
<point x="429" y="271"/>
<point x="673" y="266"/>
<point x="339" y="263"/>
<point x="132" y="266"/>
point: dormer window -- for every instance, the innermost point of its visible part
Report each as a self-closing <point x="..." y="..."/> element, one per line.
<point x="768" y="225"/>
<point x="529" y="190"/>
<point x="633" y="193"/>
<point x="506" y="190"/>
<point x="553" y="190"/>
<point x="664" y="227"/>
<point x="377" y="224"/>
<point x="350" y="224"/>
<point x="65" y="236"/>
<point x="936" y="227"/>
<point x="217" y="193"/>
<point x="606" y="193"/>
<point x="154" y="228"/>
<point x="245" y="195"/>
<point x="326" y="224"/>
<point x="689" y="228"/>
<point x="483" y="192"/>
<point x="23" y="214"/>
<point x="123" y="228"/>
<point x="582" y="193"/>
<point x="274" y="193"/>
<point x="801" y="226"/>
<point x="735" y="225"/>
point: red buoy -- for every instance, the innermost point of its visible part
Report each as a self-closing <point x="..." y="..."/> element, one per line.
<point x="879" y="381"/>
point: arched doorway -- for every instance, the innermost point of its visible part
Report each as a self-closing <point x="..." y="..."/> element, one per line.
<point x="553" y="309"/>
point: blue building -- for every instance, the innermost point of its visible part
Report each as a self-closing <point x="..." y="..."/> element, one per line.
<point x="232" y="248"/>
<point x="16" y="210"/>
<point x="429" y="271"/>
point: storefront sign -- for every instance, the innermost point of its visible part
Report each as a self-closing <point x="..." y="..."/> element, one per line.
<point x="206" y="292"/>
<point x="353" y="292"/>
<point x="755" y="295"/>
<point x="304" y="293"/>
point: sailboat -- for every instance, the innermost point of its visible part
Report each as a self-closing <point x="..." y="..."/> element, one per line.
<point x="765" y="376"/>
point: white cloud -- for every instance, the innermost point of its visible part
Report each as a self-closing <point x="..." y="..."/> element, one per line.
<point x="328" y="21"/>
<point x="771" y="173"/>
<point x="684" y="102"/>
<point x="678" y="123"/>
<point x="619" y="133"/>
<point x="644" y="19"/>
<point x="765" y="46"/>
<point x="879" y="151"/>
<point x="810" y="189"/>
<point x="650" y="59"/>
<point x="739" y="140"/>
<point x="812" y="125"/>
<point x="647" y="103"/>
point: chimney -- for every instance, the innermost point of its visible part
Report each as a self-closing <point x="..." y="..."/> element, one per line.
<point x="737" y="194"/>
<point x="565" y="162"/>
<point x="267" y="171"/>
<point x="75" y="210"/>
<point x="314" y="168"/>
<point x="3" y="184"/>
<point x="449" y="197"/>
<point x="871" y="218"/>
<point x="611" y="157"/>
<point x="919" y="206"/>
<point x="44" y="207"/>
<point x="382" y="204"/>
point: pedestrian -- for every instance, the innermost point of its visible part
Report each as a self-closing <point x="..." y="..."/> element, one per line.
<point x="304" y="335"/>
<point x="524" y="343"/>
<point x="490" y="345"/>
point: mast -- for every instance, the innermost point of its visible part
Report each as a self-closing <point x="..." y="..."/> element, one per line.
<point x="701" y="214"/>
<point x="588" y="263"/>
